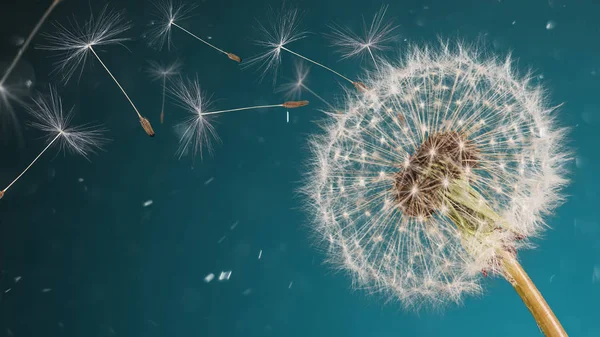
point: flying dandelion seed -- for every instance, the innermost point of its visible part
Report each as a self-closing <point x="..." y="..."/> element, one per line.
<point x="293" y="89"/>
<point x="283" y="29"/>
<point x="377" y="37"/>
<point x="419" y="209"/>
<point x="51" y="119"/>
<point x="159" y="71"/>
<point x="167" y="12"/>
<point x="198" y="132"/>
<point x="75" y="44"/>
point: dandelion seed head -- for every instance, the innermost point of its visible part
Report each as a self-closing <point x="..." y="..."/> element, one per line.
<point x="198" y="133"/>
<point x="165" y="13"/>
<point x="73" y="43"/>
<point x="283" y="27"/>
<point x="162" y="71"/>
<point x="423" y="257"/>
<point x="49" y="117"/>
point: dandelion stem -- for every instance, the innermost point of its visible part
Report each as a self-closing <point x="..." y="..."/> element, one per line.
<point x="246" y="108"/>
<point x="162" y="109"/>
<point x="28" y="40"/>
<point x="317" y="63"/>
<point x="199" y="39"/>
<point x="535" y="302"/>
<point x="33" y="162"/>
<point x="317" y="96"/>
<point x="117" y="82"/>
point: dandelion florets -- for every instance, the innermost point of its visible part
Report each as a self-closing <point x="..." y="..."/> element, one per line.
<point x="448" y="159"/>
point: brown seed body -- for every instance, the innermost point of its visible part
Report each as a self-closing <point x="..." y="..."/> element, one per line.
<point x="360" y="86"/>
<point x="147" y="126"/>
<point x="234" y="57"/>
<point x="1" y="194"/>
<point x="441" y="158"/>
<point x="294" y="104"/>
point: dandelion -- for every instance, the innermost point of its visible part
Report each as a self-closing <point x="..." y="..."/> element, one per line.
<point x="282" y="30"/>
<point x="50" y="118"/>
<point x="377" y="37"/>
<point x="7" y="93"/>
<point x="167" y="12"/>
<point x="161" y="72"/>
<point x="197" y="130"/>
<point x="77" y="42"/>
<point x="439" y="176"/>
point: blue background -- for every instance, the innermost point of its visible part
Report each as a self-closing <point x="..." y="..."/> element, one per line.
<point x="116" y="268"/>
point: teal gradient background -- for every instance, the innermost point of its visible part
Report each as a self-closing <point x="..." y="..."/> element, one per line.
<point x="116" y="268"/>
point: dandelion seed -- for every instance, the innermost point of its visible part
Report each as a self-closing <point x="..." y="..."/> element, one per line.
<point x="148" y="203"/>
<point x="50" y="118"/>
<point x="293" y="89"/>
<point x="76" y="43"/>
<point x="209" y="277"/>
<point x="451" y="204"/>
<point x="376" y="37"/>
<point x="282" y="30"/>
<point x="162" y="72"/>
<point x="198" y="131"/>
<point x="167" y="12"/>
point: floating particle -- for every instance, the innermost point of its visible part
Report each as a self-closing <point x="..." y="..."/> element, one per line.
<point x="222" y="239"/>
<point x="17" y="279"/>
<point x="550" y="24"/>
<point x="247" y="292"/>
<point x="209" y="277"/>
<point x="209" y="180"/>
<point x="46" y="290"/>
<point x="514" y="23"/>
<point x="596" y="274"/>
<point x="210" y="37"/>
<point x="287" y="119"/>
<point x="552" y="278"/>
<point x="7" y="290"/>
<point x="148" y="203"/>
<point x="80" y="180"/>
<point x="225" y="275"/>
<point x="232" y="227"/>
<point x="290" y="286"/>
<point x="259" y="254"/>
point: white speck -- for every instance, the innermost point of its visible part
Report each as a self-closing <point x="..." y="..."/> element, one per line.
<point x="225" y="275"/>
<point x="514" y="23"/>
<point x="17" y="279"/>
<point x="46" y="290"/>
<point x="209" y="180"/>
<point x="80" y="180"/>
<point x="222" y="239"/>
<point x="210" y="37"/>
<point x="247" y="292"/>
<point x="209" y="277"/>
<point x="28" y="83"/>
<point x="287" y="119"/>
<point x="7" y="290"/>
<point x="148" y="203"/>
<point x="596" y="274"/>
<point x="552" y="278"/>
<point x="550" y="25"/>
<point x="259" y="254"/>
<point x="290" y="286"/>
<point x="232" y="227"/>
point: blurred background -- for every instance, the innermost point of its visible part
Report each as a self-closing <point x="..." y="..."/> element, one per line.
<point x="123" y="245"/>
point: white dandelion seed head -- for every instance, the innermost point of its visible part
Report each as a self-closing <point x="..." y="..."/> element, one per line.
<point x="283" y="28"/>
<point x="197" y="131"/>
<point x="74" y="42"/>
<point x="412" y="250"/>
<point x="166" y="13"/>
<point x="376" y="36"/>
<point x="49" y="117"/>
<point x="162" y="71"/>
